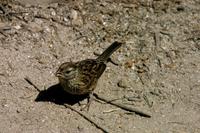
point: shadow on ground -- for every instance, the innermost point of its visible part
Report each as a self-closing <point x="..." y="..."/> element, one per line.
<point x="57" y="95"/>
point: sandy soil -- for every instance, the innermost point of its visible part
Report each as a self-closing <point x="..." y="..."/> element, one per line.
<point x="158" y="67"/>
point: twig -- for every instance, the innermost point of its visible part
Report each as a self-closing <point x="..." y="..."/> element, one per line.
<point x="157" y="45"/>
<point x="31" y="83"/>
<point x="87" y="118"/>
<point x="140" y="78"/>
<point x="150" y="104"/>
<point x="166" y="33"/>
<point x="176" y="122"/>
<point x="131" y="109"/>
<point x="111" y="110"/>
<point x="157" y="39"/>
<point x="2" y="29"/>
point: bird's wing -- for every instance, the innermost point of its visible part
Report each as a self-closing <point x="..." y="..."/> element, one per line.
<point x="91" y="70"/>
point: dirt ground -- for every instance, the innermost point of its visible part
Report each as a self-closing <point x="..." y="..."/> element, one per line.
<point x="156" y="70"/>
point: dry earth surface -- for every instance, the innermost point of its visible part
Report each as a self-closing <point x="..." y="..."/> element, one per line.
<point x="156" y="70"/>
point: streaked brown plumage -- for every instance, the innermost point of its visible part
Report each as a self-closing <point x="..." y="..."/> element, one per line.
<point x="81" y="77"/>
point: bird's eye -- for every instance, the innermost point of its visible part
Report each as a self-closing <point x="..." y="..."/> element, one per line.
<point x="67" y="72"/>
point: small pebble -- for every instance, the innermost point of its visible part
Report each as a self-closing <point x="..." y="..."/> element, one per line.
<point x="123" y="84"/>
<point x="115" y="61"/>
<point x="97" y="53"/>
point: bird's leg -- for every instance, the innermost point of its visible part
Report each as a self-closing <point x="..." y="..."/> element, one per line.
<point x="89" y="100"/>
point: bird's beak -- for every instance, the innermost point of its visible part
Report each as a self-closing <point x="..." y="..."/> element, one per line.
<point x="58" y="74"/>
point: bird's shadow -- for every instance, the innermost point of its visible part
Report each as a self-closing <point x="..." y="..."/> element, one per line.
<point x="57" y="95"/>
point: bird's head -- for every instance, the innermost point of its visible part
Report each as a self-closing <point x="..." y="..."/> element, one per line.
<point x="67" y="71"/>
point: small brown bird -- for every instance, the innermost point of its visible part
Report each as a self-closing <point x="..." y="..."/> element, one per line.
<point x="81" y="77"/>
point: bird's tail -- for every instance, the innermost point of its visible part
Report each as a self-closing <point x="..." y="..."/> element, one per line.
<point x="108" y="52"/>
